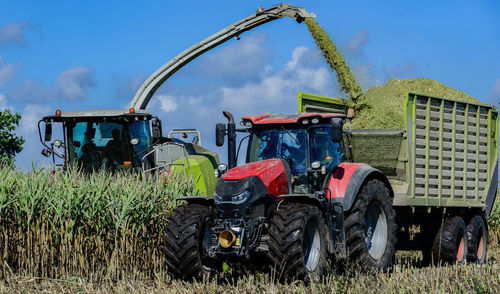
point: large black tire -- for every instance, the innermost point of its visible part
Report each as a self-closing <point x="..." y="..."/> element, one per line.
<point x="477" y="240"/>
<point x="297" y="242"/>
<point x="184" y="240"/>
<point x="370" y="228"/>
<point x="450" y="244"/>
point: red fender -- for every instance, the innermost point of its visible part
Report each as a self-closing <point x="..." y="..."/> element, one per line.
<point x="347" y="179"/>
<point x="340" y="178"/>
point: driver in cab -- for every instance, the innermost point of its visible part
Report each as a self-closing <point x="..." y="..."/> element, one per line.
<point x="113" y="150"/>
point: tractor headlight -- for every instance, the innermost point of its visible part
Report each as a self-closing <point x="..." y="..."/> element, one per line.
<point x="242" y="197"/>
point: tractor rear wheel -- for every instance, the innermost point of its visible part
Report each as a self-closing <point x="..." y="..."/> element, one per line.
<point x="450" y="244"/>
<point x="297" y="242"/>
<point x="477" y="240"/>
<point x="370" y="228"/>
<point x="184" y="242"/>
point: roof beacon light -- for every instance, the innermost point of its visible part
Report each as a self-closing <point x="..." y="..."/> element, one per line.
<point x="58" y="112"/>
<point x="305" y="121"/>
<point x="315" y="120"/>
<point x="131" y="110"/>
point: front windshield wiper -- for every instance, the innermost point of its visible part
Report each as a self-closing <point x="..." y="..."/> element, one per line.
<point x="291" y="135"/>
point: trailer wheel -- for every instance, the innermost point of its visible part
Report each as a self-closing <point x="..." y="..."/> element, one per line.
<point x="370" y="228"/>
<point x="184" y="240"/>
<point x="477" y="240"/>
<point x="297" y="242"/>
<point x="450" y="244"/>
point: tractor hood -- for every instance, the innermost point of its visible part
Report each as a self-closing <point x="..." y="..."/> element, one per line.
<point x="274" y="174"/>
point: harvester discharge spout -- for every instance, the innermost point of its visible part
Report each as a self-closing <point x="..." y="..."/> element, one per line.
<point x="262" y="16"/>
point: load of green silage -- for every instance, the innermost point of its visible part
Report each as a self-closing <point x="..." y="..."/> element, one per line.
<point x="384" y="107"/>
<point x="381" y="107"/>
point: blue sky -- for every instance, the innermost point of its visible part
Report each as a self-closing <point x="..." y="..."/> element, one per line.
<point x="74" y="55"/>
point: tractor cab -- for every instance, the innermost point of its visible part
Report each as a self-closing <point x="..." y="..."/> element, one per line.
<point x="98" y="139"/>
<point x="309" y="144"/>
<point x="304" y="141"/>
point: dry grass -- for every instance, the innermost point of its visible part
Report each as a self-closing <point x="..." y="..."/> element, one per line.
<point x="403" y="279"/>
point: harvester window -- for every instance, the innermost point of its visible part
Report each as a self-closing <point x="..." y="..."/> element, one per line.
<point x="140" y="130"/>
<point x="95" y="145"/>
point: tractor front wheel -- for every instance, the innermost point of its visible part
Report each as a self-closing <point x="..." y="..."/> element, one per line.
<point x="370" y="228"/>
<point x="184" y="242"/>
<point x="297" y="242"/>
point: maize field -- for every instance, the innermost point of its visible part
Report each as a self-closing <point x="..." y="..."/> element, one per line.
<point x="87" y="225"/>
<point x="77" y="232"/>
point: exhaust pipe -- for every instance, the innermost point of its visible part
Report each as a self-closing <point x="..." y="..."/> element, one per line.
<point x="231" y="140"/>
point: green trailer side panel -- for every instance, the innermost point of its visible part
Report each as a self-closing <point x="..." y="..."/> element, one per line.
<point x="200" y="169"/>
<point x="453" y="148"/>
<point x="316" y="103"/>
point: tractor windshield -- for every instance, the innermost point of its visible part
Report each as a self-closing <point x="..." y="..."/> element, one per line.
<point x="323" y="149"/>
<point x="286" y="143"/>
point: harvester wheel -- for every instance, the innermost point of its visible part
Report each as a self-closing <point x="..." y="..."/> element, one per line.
<point x="477" y="240"/>
<point x="450" y="244"/>
<point x="370" y="228"/>
<point x="184" y="240"/>
<point x="297" y="242"/>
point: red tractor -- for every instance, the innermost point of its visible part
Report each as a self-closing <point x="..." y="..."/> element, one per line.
<point x="296" y="201"/>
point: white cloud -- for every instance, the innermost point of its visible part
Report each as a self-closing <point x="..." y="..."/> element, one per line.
<point x="74" y="83"/>
<point x="495" y="92"/>
<point x="28" y="129"/>
<point x="3" y="102"/>
<point x="279" y="86"/>
<point x="297" y="53"/>
<point x="13" y="33"/>
<point x="32" y="113"/>
<point x="356" y="42"/>
<point x="235" y="63"/>
<point x="6" y="71"/>
<point x="167" y="103"/>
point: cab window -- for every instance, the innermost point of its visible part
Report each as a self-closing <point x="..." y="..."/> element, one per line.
<point x="323" y="149"/>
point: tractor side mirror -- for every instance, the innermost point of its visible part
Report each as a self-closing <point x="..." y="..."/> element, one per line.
<point x="48" y="132"/>
<point x="46" y="152"/>
<point x="336" y="125"/>
<point x="156" y="128"/>
<point x="220" y="132"/>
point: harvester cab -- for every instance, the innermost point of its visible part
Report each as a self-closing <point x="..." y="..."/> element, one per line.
<point x="126" y="140"/>
<point x="98" y="139"/>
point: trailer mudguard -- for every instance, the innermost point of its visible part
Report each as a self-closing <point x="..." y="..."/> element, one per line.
<point x="347" y="179"/>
